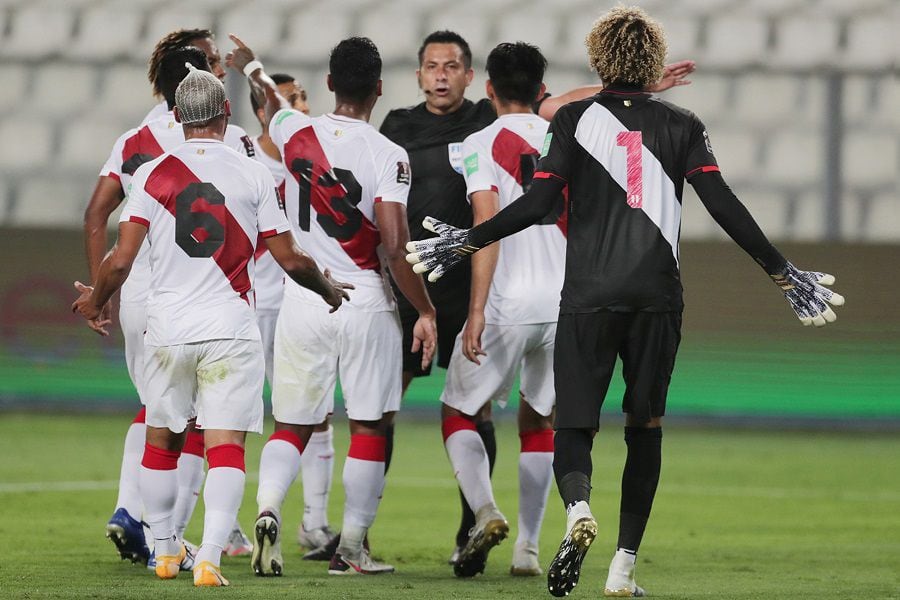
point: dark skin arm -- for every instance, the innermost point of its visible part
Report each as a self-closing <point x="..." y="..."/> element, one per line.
<point x="301" y="267"/>
<point x="391" y="220"/>
<point x="110" y="276"/>
<point x="106" y="198"/>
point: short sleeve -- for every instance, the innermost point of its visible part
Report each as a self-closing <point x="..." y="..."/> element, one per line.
<point x="270" y="217"/>
<point x="139" y="205"/>
<point x="558" y="151"/>
<point x="113" y="166"/>
<point x="394" y="177"/>
<point x="478" y="168"/>
<point x="281" y="121"/>
<point x="238" y="140"/>
<point x="700" y="158"/>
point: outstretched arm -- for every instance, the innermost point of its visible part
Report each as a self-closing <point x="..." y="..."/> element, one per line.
<point x="673" y="75"/>
<point x="802" y="289"/>
<point x="301" y="267"/>
<point x="453" y="244"/>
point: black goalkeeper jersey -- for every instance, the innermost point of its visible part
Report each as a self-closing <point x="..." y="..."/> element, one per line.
<point x="434" y="145"/>
<point x="624" y="155"/>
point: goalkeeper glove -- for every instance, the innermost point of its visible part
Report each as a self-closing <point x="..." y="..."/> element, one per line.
<point x="804" y="292"/>
<point x="438" y="254"/>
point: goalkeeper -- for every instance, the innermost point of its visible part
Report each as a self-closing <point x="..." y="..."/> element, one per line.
<point x="624" y="156"/>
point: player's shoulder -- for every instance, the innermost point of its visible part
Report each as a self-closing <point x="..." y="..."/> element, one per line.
<point x="146" y="170"/>
<point x="678" y="111"/>
<point x="484" y="136"/>
<point x="290" y="117"/>
<point x="237" y="138"/>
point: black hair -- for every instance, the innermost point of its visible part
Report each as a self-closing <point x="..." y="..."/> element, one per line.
<point x="445" y="36"/>
<point x="278" y="78"/>
<point x="516" y="71"/>
<point x="173" y="41"/>
<point x="355" y="67"/>
<point x="172" y="70"/>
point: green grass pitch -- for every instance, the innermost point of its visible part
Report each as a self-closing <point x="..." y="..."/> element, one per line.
<point x="739" y="514"/>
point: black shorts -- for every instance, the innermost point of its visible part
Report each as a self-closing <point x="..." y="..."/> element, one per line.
<point x="587" y="345"/>
<point x="452" y="305"/>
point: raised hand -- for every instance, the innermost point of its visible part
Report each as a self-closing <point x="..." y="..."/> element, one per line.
<point x="439" y="254"/>
<point x="673" y="75"/>
<point x="240" y="57"/>
<point x="804" y="292"/>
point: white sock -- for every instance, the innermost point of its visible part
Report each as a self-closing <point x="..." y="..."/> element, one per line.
<point x="278" y="467"/>
<point x="535" y="477"/>
<point x="158" y="485"/>
<point x="470" y="461"/>
<point x="363" y="482"/>
<point x="129" y="475"/>
<point x="190" y="481"/>
<point x="317" y="468"/>
<point x="222" y="496"/>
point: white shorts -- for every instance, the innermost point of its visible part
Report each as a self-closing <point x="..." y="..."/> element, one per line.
<point x="133" y="319"/>
<point x="508" y="349"/>
<point x="313" y="347"/>
<point x="218" y="381"/>
<point x="266" y="319"/>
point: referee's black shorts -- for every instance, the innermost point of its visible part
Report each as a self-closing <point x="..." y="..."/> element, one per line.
<point x="584" y="358"/>
<point x="451" y="300"/>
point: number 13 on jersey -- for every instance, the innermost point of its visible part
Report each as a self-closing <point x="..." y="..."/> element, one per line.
<point x="633" y="144"/>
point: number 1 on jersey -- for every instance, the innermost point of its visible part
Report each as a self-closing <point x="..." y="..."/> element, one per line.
<point x="633" y="143"/>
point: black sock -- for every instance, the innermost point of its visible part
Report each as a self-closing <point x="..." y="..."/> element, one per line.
<point x="639" y="480"/>
<point x="388" y="446"/>
<point x="572" y="464"/>
<point x="488" y="437"/>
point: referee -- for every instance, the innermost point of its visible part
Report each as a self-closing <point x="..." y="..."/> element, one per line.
<point x="624" y="156"/>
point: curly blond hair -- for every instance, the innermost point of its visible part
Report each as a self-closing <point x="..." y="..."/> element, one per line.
<point x="626" y="46"/>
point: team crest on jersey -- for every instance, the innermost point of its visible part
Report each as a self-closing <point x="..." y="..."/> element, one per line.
<point x="403" y="172"/>
<point x="454" y="152"/>
<point x="706" y="141"/>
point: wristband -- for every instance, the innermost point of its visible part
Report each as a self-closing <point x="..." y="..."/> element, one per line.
<point x="252" y="66"/>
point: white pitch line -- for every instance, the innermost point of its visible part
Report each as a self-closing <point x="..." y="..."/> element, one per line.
<point x="771" y="493"/>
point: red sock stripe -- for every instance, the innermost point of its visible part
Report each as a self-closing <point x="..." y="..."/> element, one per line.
<point x="159" y="459"/>
<point x="141" y="416"/>
<point x="367" y="447"/>
<point x="452" y="424"/>
<point x="226" y="455"/>
<point x="286" y="435"/>
<point x="539" y="440"/>
<point x="193" y="443"/>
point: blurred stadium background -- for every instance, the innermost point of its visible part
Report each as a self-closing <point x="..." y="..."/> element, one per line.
<point x="802" y="101"/>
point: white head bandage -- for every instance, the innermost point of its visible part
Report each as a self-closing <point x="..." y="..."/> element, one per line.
<point x="200" y="96"/>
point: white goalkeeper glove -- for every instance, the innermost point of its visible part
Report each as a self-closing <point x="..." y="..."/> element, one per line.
<point x="440" y="253"/>
<point x="804" y="292"/>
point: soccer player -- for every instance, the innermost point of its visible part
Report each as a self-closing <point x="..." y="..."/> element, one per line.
<point x="511" y="317"/>
<point x="624" y="156"/>
<point x="198" y="38"/>
<point x="432" y="133"/>
<point x="346" y="196"/>
<point x="201" y="206"/>
<point x="317" y="463"/>
<point x="130" y="151"/>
